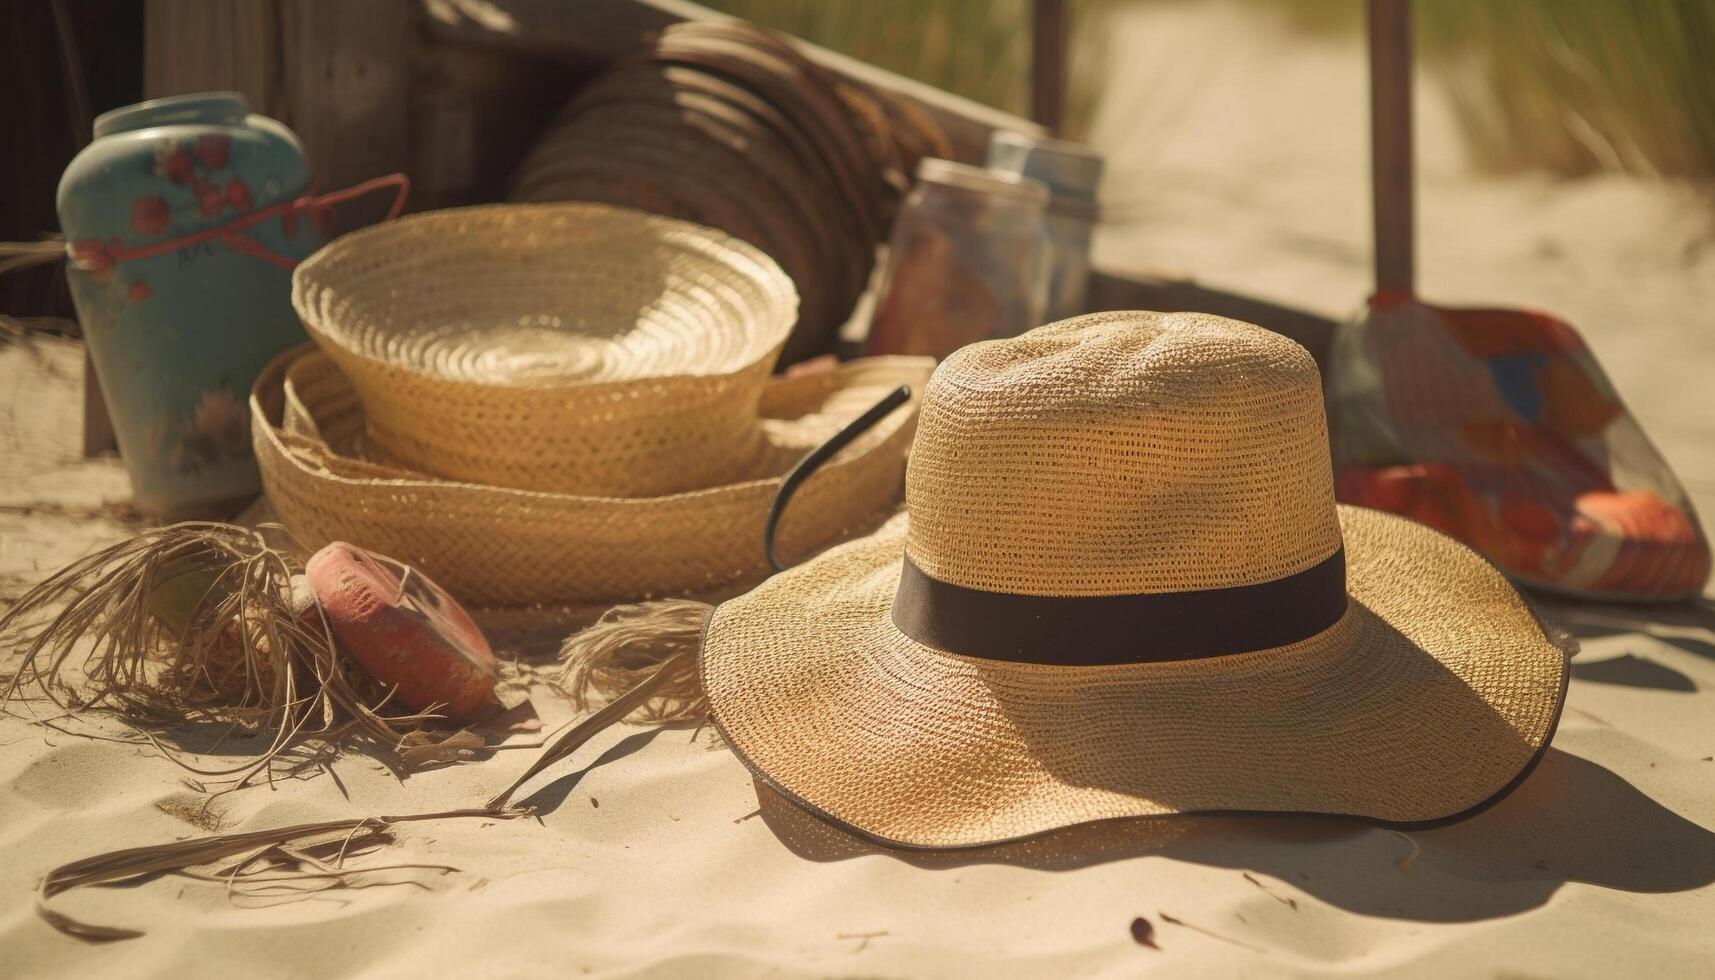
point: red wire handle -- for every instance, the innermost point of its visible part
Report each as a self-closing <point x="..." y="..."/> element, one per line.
<point x="94" y="256"/>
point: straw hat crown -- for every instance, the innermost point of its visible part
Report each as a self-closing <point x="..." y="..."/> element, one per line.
<point x="1128" y="453"/>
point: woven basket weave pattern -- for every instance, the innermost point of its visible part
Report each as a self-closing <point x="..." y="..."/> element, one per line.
<point x="494" y="546"/>
<point x="573" y="348"/>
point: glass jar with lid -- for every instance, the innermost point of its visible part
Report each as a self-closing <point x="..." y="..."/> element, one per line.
<point x="1072" y="171"/>
<point x="967" y="261"/>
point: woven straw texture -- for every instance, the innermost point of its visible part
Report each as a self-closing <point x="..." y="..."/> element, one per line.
<point x="1165" y="434"/>
<point x="499" y="547"/>
<point x="1132" y="452"/>
<point x="574" y="348"/>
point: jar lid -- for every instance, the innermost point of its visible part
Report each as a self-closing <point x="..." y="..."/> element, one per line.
<point x="207" y="108"/>
<point x="1069" y="168"/>
<point x="966" y="177"/>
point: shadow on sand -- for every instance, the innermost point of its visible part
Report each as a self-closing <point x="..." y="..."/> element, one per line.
<point x="1571" y="821"/>
<point x="1672" y="624"/>
<point x="1631" y="670"/>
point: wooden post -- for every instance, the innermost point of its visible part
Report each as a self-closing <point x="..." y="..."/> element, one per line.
<point x="1390" y="142"/>
<point x="334" y="71"/>
<point x="1048" y="40"/>
<point x="98" y="435"/>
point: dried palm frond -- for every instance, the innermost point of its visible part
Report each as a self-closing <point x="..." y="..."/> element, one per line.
<point x="308" y="857"/>
<point x="15" y="256"/>
<point x="670" y="672"/>
<point x="196" y="621"/>
<point x="627" y="646"/>
<point x="315" y="842"/>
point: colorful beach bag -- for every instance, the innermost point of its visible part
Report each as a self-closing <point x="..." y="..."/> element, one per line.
<point x="1499" y="428"/>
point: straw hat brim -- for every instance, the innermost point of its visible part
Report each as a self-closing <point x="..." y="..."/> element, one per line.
<point x="500" y="547"/>
<point x="1432" y="697"/>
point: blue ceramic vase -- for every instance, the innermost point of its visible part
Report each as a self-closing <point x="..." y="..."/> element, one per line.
<point x="179" y="330"/>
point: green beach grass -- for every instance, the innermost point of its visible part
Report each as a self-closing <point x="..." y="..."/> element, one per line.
<point x="1567" y="86"/>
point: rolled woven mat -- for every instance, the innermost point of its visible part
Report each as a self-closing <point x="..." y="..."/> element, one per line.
<point x="729" y="126"/>
<point x="575" y="348"/>
<point x="498" y="547"/>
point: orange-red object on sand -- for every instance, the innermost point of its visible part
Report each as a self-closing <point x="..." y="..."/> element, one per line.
<point x="404" y="629"/>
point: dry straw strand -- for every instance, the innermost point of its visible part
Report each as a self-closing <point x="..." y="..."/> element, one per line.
<point x="671" y="672"/>
<point x="652" y="649"/>
<point x="178" y="856"/>
<point x="18" y="256"/>
<point x="628" y="646"/>
<point x="243" y="654"/>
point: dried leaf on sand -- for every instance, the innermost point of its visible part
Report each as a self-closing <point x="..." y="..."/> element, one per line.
<point x="295" y="858"/>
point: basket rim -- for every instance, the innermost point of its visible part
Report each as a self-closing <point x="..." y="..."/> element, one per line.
<point x="776" y="315"/>
<point x="267" y="403"/>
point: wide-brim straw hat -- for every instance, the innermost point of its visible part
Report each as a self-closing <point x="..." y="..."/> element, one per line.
<point x="1123" y="588"/>
<point x="572" y="348"/>
<point x="499" y="547"/>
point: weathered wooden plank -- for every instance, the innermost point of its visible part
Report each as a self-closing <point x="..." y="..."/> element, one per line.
<point x="98" y="434"/>
<point x="207" y="45"/>
<point x="336" y="72"/>
<point x="475" y="112"/>
<point x="347" y="91"/>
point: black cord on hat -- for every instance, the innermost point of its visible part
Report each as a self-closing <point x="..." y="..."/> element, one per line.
<point x="821" y="454"/>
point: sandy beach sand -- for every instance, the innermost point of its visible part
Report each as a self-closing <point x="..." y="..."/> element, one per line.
<point x="655" y="854"/>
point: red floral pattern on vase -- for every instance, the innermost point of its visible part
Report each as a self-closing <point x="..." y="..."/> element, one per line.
<point x="213" y="150"/>
<point x="174" y="163"/>
<point x="150" y="215"/>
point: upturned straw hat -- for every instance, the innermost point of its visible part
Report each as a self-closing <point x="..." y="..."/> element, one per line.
<point x="571" y="348"/>
<point x="1123" y="588"/>
<point x="500" y="547"/>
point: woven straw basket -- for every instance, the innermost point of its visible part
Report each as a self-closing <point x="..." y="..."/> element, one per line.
<point x="501" y="547"/>
<point x="574" y="348"/>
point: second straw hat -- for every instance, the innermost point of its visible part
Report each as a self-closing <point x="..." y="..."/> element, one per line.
<point x="571" y="348"/>
<point x="499" y="547"/>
